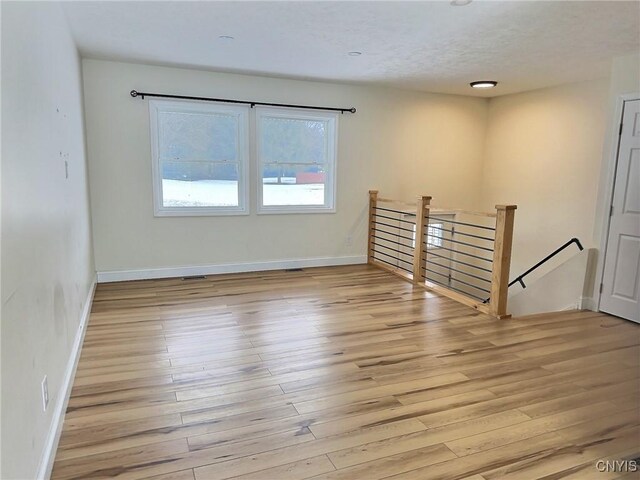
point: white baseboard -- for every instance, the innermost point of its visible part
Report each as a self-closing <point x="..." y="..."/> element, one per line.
<point x="53" y="437"/>
<point x="588" y="303"/>
<point x="568" y="308"/>
<point x="170" y="272"/>
<point x="583" y="303"/>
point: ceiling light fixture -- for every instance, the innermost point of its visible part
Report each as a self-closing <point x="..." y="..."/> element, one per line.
<point x="460" y="3"/>
<point x="226" y="37"/>
<point x="354" y="54"/>
<point x="484" y="84"/>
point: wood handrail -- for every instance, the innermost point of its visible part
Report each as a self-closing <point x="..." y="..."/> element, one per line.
<point x="434" y="208"/>
<point x="397" y="202"/>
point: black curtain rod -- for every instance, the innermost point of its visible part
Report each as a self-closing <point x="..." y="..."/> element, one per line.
<point x="135" y="93"/>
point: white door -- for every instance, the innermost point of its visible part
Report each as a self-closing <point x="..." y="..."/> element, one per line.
<point x="621" y="278"/>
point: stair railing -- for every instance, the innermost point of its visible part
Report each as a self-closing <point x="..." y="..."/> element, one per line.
<point x="444" y="250"/>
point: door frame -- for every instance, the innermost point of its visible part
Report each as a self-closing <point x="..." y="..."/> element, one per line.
<point x="611" y="166"/>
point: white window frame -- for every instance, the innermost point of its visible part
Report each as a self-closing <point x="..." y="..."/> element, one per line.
<point x="332" y="152"/>
<point x="242" y="113"/>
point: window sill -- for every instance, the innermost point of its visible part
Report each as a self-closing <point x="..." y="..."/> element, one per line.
<point x="293" y="210"/>
<point x="199" y="212"/>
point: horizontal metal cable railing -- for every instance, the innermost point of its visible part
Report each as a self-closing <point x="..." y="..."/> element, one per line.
<point x="459" y="253"/>
<point x="392" y="238"/>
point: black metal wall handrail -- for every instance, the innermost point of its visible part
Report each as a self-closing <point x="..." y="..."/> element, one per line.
<point x="519" y="278"/>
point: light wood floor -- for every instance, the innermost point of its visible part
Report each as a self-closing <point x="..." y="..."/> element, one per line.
<point x="343" y="373"/>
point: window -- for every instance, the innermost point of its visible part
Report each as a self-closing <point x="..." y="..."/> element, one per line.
<point x="434" y="235"/>
<point x="200" y="158"/>
<point x="413" y="234"/>
<point x="296" y="161"/>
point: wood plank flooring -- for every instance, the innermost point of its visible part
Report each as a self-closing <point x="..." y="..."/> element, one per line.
<point x="343" y="373"/>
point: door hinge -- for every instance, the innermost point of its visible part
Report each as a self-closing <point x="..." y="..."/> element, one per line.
<point x="620" y="131"/>
<point x="611" y="211"/>
<point x="601" y="288"/>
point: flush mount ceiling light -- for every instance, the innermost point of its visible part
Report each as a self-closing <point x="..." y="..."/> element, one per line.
<point x="484" y="84"/>
<point x="354" y="54"/>
<point x="460" y="3"/>
<point x="226" y="38"/>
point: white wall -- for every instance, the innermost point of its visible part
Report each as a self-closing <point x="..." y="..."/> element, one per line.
<point x="561" y="288"/>
<point x="543" y="153"/>
<point x="403" y="143"/>
<point x="47" y="266"/>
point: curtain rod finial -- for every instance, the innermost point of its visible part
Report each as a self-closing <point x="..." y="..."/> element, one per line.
<point x="133" y="93"/>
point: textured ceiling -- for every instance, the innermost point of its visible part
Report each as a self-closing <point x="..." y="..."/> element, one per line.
<point x="428" y="46"/>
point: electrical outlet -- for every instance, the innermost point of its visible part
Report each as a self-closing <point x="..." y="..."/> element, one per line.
<point x="45" y="393"/>
<point x="349" y="240"/>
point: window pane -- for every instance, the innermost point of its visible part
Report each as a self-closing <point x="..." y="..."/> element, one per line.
<point x="199" y="184"/>
<point x="293" y="185"/>
<point x="193" y="136"/>
<point x="288" y="140"/>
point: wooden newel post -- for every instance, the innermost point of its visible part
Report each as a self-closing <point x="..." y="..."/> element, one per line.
<point x="501" y="260"/>
<point x="373" y="201"/>
<point x="419" y="253"/>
